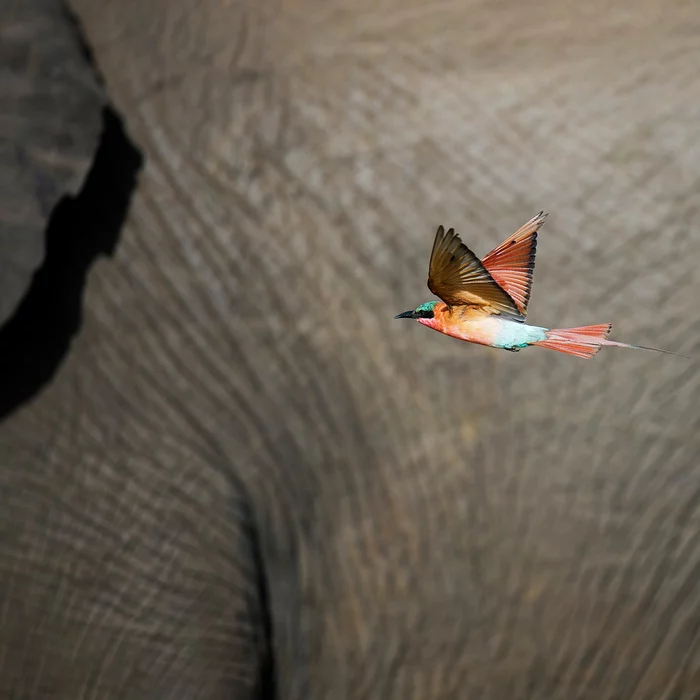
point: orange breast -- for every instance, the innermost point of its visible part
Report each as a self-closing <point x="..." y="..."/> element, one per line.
<point x="463" y="322"/>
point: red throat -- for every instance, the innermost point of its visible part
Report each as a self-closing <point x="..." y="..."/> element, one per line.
<point x="437" y="322"/>
<point x="430" y="322"/>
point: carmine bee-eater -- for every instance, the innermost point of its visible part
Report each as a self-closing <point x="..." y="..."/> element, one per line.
<point x="485" y="301"/>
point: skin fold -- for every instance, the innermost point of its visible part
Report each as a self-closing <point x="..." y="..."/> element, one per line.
<point x="246" y="480"/>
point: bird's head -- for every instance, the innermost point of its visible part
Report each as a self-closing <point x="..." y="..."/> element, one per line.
<point x="425" y="313"/>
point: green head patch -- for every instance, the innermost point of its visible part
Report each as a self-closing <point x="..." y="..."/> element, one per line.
<point x="426" y="310"/>
<point x="428" y="306"/>
<point x="423" y="311"/>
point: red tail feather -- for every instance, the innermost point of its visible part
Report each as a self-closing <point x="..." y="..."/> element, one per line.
<point x="584" y="341"/>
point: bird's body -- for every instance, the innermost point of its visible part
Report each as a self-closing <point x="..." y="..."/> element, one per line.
<point x="477" y="326"/>
<point x="485" y="301"/>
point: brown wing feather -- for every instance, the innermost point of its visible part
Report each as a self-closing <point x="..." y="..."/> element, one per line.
<point x="457" y="276"/>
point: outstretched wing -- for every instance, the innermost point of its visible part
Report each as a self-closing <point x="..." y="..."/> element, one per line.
<point x="457" y="276"/>
<point x="512" y="263"/>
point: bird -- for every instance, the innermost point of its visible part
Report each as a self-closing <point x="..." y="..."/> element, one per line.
<point x="485" y="301"/>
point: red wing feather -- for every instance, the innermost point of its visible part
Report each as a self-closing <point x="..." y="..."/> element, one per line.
<point x="512" y="263"/>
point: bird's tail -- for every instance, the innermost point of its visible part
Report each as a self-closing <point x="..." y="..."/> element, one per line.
<point x="586" y="341"/>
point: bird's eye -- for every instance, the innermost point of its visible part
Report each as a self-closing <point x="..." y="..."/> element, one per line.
<point x="425" y="313"/>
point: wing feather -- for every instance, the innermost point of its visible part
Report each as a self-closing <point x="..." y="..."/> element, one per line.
<point x="512" y="264"/>
<point x="458" y="277"/>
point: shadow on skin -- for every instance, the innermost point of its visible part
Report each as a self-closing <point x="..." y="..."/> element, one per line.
<point x="36" y="338"/>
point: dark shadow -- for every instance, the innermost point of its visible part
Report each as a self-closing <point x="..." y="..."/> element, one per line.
<point x="266" y="686"/>
<point x="35" y="340"/>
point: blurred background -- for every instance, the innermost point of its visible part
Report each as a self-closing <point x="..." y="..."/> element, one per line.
<point x="225" y="470"/>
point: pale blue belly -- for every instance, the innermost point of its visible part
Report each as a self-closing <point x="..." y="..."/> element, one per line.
<point x="517" y="335"/>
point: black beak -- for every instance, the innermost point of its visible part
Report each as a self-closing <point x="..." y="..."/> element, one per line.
<point x="406" y="314"/>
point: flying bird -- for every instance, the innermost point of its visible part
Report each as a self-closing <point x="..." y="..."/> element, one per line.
<point x="485" y="301"/>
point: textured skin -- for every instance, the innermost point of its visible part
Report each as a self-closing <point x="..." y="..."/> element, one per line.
<point x="433" y="520"/>
<point x="49" y="129"/>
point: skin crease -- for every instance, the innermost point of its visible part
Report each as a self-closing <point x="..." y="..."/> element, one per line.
<point x="245" y="469"/>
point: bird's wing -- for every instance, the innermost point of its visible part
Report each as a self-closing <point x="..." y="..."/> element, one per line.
<point x="457" y="276"/>
<point x="512" y="263"/>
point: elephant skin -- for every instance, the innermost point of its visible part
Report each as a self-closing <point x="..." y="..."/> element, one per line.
<point x="49" y="130"/>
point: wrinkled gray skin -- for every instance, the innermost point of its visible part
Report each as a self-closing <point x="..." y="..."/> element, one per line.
<point x="49" y="128"/>
<point x="241" y="427"/>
